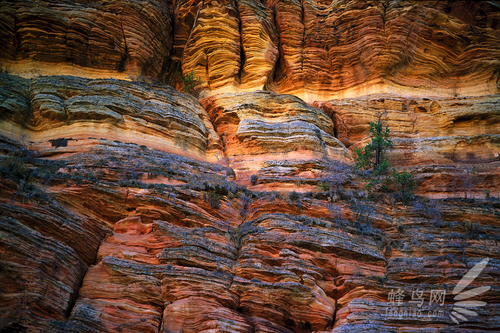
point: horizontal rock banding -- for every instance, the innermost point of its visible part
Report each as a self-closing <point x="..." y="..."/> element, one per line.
<point x="313" y="50"/>
<point x="132" y="37"/>
<point x="60" y="107"/>
<point x="272" y="124"/>
<point x="113" y="218"/>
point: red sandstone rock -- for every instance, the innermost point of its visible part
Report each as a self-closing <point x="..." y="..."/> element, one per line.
<point x="114" y="218"/>
<point x="314" y="50"/>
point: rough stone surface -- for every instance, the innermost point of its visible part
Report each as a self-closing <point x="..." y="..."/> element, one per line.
<point x="268" y="126"/>
<point x="314" y="50"/>
<point x="97" y="39"/>
<point x="62" y="112"/>
<point x="128" y="206"/>
<point x="442" y="134"/>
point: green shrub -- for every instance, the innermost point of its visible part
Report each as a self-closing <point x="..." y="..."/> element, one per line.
<point x="14" y="168"/>
<point x="191" y="85"/>
<point x="28" y="173"/>
<point x="214" y="200"/>
<point x="324" y="186"/>
<point x="405" y="181"/>
<point x="372" y="155"/>
<point x="254" y="179"/>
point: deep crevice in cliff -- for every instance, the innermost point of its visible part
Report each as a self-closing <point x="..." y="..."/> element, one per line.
<point x="74" y="295"/>
<point x="242" y="49"/>
<point x="161" y="317"/>
<point x="277" y="71"/>
<point x="303" y="45"/>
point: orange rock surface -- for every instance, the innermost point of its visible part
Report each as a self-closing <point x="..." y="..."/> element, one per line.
<point x="96" y="39"/>
<point x="128" y="206"/>
<point x="261" y="126"/>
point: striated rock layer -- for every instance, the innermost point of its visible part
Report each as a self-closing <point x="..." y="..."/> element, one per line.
<point x="264" y="126"/>
<point x="99" y="235"/>
<point x="173" y="262"/>
<point x="438" y="137"/>
<point x="96" y="39"/>
<point x="314" y="50"/>
<point x="318" y="51"/>
<point x="128" y="206"/>
<point x="65" y="114"/>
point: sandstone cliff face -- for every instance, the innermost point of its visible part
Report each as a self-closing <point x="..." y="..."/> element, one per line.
<point x="52" y="110"/>
<point x="271" y="126"/>
<point x="313" y="50"/>
<point x="128" y="206"/>
<point x="96" y="39"/>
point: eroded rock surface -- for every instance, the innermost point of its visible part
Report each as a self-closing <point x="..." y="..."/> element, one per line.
<point x="128" y="206"/>
<point x="97" y="39"/>
<point x="314" y="50"/>
<point x="64" y="112"/>
<point x="441" y="136"/>
<point x="266" y="126"/>
<point x="173" y="260"/>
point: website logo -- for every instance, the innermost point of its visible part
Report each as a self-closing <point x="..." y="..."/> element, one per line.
<point x="463" y="306"/>
<point x="433" y="306"/>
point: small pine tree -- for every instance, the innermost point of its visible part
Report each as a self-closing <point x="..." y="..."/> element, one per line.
<point x="406" y="182"/>
<point x="372" y="155"/>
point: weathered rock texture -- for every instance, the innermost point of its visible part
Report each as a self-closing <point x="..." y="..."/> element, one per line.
<point x="359" y="47"/>
<point x="313" y="50"/>
<point x="267" y="126"/>
<point x="173" y="263"/>
<point x="131" y="207"/>
<point x="63" y="112"/>
<point x="447" y="134"/>
<point x="318" y="50"/>
<point x="98" y="39"/>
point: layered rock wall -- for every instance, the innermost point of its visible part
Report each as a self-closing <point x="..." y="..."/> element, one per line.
<point x="93" y="39"/>
<point x="52" y="111"/>
<point x="128" y="206"/>
<point x="314" y="50"/>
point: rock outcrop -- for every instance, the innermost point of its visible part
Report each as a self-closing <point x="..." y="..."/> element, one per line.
<point x="64" y="114"/>
<point x="313" y="50"/>
<point x="128" y="206"/>
<point x="449" y="135"/>
<point x="94" y="39"/>
<point x="265" y="126"/>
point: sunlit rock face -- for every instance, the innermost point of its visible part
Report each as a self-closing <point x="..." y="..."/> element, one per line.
<point x="415" y="120"/>
<point x="265" y="126"/>
<point x="353" y="48"/>
<point x="314" y="50"/>
<point x="93" y="39"/>
<point x="67" y="114"/>
<point x="448" y="134"/>
<point x="128" y="206"/>
<point x="319" y="51"/>
<point x="228" y="45"/>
